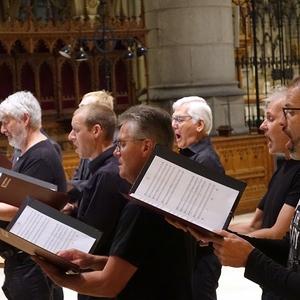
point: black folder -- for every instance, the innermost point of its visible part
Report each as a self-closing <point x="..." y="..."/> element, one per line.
<point x="14" y="187"/>
<point x="186" y="191"/>
<point x="31" y="225"/>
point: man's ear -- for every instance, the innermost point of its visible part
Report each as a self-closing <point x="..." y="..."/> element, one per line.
<point x="148" y="146"/>
<point x="200" y="125"/>
<point x="26" y="119"/>
<point x="97" y="129"/>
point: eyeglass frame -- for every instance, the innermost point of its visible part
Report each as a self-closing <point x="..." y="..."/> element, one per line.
<point x="284" y="109"/>
<point x="176" y="119"/>
<point x="118" y="143"/>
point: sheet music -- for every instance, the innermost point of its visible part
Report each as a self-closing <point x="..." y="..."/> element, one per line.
<point x="49" y="233"/>
<point x="185" y="194"/>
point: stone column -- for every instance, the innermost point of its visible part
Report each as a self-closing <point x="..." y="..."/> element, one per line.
<point x="191" y="52"/>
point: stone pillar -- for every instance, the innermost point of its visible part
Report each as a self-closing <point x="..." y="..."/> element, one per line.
<point x="191" y="52"/>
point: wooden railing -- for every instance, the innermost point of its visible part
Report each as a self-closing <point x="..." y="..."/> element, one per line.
<point x="247" y="158"/>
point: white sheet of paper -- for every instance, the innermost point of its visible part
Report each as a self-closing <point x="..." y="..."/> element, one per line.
<point x="185" y="194"/>
<point x="49" y="233"/>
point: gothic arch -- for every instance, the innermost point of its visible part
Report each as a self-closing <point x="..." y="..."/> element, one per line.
<point x="67" y="86"/>
<point x="34" y="35"/>
<point x="121" y="75"/>
<point x="46" y="87"/>
<point x="18" y="46"/>
<point x="85" y="78"/>
<point x="3" y="47"/>
<point x="6" y="79"/>
<point x="27" y="77"/>
<point x="41" y="46"/>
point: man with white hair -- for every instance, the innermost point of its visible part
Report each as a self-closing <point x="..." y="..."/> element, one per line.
<point x="192" y="123"/>
<point x="20" y="115"/>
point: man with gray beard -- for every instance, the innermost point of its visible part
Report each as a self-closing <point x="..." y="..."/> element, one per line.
<point x="20" y="115"/>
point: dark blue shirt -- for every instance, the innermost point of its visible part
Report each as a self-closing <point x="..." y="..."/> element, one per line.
<point x="203" y="152"/>
<point x="102" y="202"/>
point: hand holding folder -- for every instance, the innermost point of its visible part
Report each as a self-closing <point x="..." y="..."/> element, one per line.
<point x="41" y="230"/>
<point x="186" y="191"/>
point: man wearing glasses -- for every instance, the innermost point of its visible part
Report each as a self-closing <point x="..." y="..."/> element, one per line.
<point x="263" y="258"/>
<point x="292" y="116"/>
<point x="148" y="256"/>
<point x="192" y="123"/>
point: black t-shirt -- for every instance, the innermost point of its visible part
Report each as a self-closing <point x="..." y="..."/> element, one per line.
<point x="41" y="161"/>
<point x="147" y="241"/>
<point x="284" y="188"/>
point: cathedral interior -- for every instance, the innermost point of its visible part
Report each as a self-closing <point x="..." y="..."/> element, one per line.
<point x="111" y="34"/>
<point x="33" y="32"/>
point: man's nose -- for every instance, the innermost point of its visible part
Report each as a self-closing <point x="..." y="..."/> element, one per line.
<point x="71" y="136"/>
<point x="3" y="128"/>
<point x="263" y="126"/>
<point x="283" y="121"/>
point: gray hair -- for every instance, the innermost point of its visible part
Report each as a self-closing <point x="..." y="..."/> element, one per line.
<point x="278" y="92"/>
<point x="19" y="104"/>
<point x="198" y="110"/>
<point x="149" y="122"/>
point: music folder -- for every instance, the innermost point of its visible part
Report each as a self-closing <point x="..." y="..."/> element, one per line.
<point x="41" y="230"/>
<point x="14" y="187"/>
<point x="186" y="191"/>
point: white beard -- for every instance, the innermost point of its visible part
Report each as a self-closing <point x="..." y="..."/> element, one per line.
<point x="19" y="139"/>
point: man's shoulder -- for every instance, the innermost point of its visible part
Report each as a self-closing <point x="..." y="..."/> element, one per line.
<point x="289" y="171"/>
<point x="104" y="162"/>
<point x="42" y="154"/>
<point x="44" y="149"/>
<point x="107" y="173"/>
<point x="292" y="165"/>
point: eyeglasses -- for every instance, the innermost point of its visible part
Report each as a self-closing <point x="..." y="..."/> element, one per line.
<point x="288" y="111"/>
<point x="180" y="119"/>
<point x="122" y="143"/>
